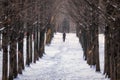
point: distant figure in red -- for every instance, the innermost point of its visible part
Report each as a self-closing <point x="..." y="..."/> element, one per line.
<point x="64" y="35"/>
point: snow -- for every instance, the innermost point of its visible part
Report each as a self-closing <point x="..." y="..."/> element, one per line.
<point x="2" y="29"/>
<point x="1" y="54"/>
<point x="101" y="51"/>
<point x="63" y="61"/>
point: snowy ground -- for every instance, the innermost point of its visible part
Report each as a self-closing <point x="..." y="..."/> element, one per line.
<point x="63" y="61"/>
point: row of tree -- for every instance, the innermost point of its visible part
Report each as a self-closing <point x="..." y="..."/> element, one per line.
<point x="19" y="20"/>
<point x="86" y="14"/>
<point x="32" y="19"/>
<point x="86" y="19"/>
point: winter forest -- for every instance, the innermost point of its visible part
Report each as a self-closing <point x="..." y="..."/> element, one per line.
<point x="59" y="39"/>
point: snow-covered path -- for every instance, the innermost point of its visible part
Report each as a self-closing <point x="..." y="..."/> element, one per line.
<point x="63" y="61"/>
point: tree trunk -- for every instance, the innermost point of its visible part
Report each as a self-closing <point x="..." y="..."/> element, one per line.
<point x="118" y="57"/>
<point x="11" y="76"/>
<point x="30" y="47"/>
<point x="42" y="38"/>
<point x="20" y="54"/>
<point x="97" y="50"/>
<point x="107" y="55"/>
<point x="14" y="53"/>
<point x="13" y="61"/>
<point x="5" y="56"/>
<point x="28" y="54"/>
<point x="35" y="45"/>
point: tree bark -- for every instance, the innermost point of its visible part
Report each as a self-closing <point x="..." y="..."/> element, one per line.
<point x="30" y="47"/>
<point x="42" y="38"/>
<point x="97" y="50"/>
<point x="20" y="53"/>
<point x="107" y="53"/>
<point x="35" y="45"/>
<point x="5" y="56"/>
<point x="28" y="54"/>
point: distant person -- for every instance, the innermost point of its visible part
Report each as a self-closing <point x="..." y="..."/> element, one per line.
<point x="64" y="36"/>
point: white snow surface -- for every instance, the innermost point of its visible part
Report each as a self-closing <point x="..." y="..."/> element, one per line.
<point x="64" y="61"/>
